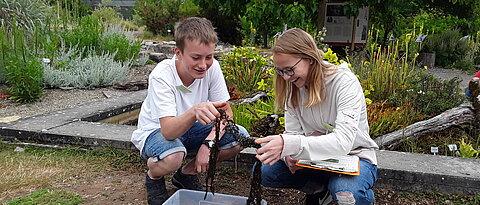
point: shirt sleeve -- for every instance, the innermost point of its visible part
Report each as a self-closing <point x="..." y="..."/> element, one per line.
<point x="292" y="124"/>
<point x="162" y="97"/>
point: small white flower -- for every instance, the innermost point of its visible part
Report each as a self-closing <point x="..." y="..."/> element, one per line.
<point x="421" y="92"/>
<point x="45" y="60"/>
<point x="169" y="30"/>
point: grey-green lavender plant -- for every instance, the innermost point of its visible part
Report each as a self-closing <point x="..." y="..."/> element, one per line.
<point x="71" y="70"/>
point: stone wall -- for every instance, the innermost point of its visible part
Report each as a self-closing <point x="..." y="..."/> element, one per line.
<point x="126" y="6"/>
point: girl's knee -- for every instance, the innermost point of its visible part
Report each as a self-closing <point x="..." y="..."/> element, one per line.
<point x="347" y="197"/>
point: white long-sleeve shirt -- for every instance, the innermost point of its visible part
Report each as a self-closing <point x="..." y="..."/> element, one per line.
<point x="309" y="134"/>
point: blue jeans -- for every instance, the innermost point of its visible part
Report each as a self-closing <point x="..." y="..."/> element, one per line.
<point x="467" y="93"/>
<point x="306" y="180"/>
<point x="158" y="147"/>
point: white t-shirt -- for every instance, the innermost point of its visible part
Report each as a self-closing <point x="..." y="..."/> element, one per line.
<point x="167" y="96"/>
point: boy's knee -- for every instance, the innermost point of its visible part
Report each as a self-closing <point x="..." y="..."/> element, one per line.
<point x="174" y="161"/>
<point x="169" y="164"/>
<point x="345" y="198"/>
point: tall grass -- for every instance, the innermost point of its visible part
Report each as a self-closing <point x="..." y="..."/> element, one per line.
<point x="24" y="12"/>
<point x="21" y="70"/>
<point x="386" y="68"/>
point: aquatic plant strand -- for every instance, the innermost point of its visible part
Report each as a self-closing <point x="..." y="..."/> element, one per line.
<point x="231" y="128"/>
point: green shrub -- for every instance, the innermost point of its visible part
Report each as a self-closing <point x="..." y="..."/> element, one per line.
<point x="243" y="112"/>
<point x="450" y="51"/>
<point x="85" y="35"/>
<point x="18" y="68"/>
<point x="161" y="16"/>
<point x="24" y="75"/>
<point x="467" y="150"/>
<point x="115" y="39"/>
<point x="432" y="21"/>
<point x="428" y="95"/>
<point x="384" y="118"/>
<point x="108" y="15"/>
<point x="120" y="46"/>
<point x="246" y="70"/>
<point x="93" y="35"/>
<point x="70" y="70"/>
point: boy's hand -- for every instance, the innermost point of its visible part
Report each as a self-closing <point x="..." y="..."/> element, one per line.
<point x="207" y="112"/>
<point x="202" y="158"/>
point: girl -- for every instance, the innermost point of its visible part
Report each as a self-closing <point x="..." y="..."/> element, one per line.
<point x="325" y="116"/>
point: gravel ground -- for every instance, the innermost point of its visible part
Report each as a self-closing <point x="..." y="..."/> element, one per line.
<point x="450" y="73"/>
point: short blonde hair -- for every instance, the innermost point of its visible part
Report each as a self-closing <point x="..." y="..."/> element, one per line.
<point x="299" y="43"/>
<point x="194" y="28"/>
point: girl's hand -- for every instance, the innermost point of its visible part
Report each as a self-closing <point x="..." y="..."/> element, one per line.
<point x="292" y="164"/>
<point x="270" y="152"/>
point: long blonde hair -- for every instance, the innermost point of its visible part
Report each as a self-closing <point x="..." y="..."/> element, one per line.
<point x="299" y="43"/>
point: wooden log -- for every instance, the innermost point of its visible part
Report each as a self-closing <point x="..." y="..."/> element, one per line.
<point x="463" y="114"/>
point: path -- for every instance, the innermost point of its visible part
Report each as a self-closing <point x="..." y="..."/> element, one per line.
<point x="448" y="74"/>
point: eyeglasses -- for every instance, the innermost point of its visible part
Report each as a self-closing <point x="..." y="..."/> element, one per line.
<point x="288" y="70"/>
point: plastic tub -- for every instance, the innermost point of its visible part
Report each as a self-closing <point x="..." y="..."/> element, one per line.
<point x="192" y="197"/>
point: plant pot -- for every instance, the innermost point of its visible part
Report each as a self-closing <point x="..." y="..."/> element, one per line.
<point x="426" y="59"/>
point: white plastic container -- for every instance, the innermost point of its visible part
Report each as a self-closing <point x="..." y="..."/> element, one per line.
<point x="192" y="197"/>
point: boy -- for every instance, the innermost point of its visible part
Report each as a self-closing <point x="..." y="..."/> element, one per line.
<point x="184" y="94"/>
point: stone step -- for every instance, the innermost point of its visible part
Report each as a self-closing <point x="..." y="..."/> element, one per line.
<point x="402" y="171"/>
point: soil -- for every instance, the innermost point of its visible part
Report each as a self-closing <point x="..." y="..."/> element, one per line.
<point x="123" y="187"/>
<point x="126" y="187"/>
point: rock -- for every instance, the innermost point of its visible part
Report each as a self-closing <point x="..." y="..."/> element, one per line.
<point x="157" y="57"/>
<point x="109" y="94"/>
<point x="131" y="85"/>
<point x="161" y="48"/>
<point x="19" y="149"/>
<point x="9" y="119"/>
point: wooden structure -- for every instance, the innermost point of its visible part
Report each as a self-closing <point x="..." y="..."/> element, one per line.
<point x="341" y="30"/>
